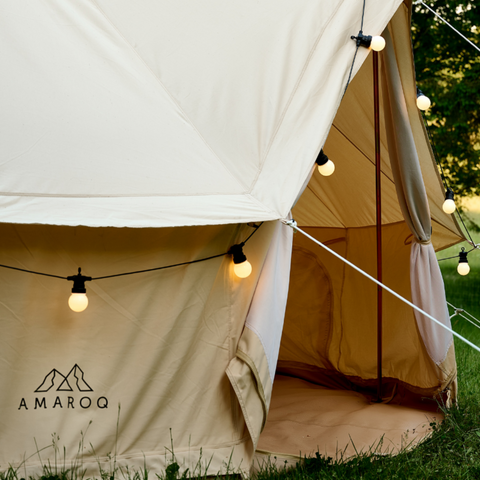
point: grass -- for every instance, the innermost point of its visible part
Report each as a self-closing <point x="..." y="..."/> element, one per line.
<point x="451" y="452"/>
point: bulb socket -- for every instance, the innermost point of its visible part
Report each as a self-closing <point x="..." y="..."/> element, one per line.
<point x="449" y="194"/>
<point x="79" y="282"/>
<point x="237" y="252"/>
<point x="362" y="40"/>
<point x="463" y="256"/>
<point x="322" y="159"/>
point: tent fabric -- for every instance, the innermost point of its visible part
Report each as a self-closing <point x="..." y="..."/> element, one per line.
<point x="347" y="198"/>
<point x="332" y="339"/>
<point x="150" y="352"/>
<point x="252" y="371"/>
<point x="159" y="114"/>
<point x="349" y="424"/>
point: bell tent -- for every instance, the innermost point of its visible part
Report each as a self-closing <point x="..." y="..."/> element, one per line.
<point x="141" y="141"/>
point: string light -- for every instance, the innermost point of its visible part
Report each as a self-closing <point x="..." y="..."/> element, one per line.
<point x="325" y="166"/>
<point x="242" y="266"/>
<point x="78" y="300"/>
<point x="449" y="203"/>
<point x="376" y="43"/>
<point x="423" y="102"/>
<point x="463" y="267"/>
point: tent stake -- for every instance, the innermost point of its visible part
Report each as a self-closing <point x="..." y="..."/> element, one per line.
<point x="378" y="189"/>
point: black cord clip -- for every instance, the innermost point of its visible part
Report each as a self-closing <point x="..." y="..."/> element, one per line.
<point x="362" y="40"/>
<point x="79" y="282"/>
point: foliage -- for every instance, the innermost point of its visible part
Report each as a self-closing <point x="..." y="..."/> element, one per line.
<point x="448" y="72"/>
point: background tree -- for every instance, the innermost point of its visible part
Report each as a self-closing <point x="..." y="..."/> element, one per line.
<point x="448" y="72"/>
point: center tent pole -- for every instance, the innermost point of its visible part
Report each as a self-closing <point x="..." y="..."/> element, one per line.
<point x="378" y="190"/>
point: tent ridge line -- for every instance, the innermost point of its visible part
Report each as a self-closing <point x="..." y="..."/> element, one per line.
<point x="355" y="146"/>
<point x="327" y="207"/>
<point x="267" y="210"/>
<point x="172" y="98"/>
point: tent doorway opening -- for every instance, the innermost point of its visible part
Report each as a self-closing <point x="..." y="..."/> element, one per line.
<point x="324" y="394"/>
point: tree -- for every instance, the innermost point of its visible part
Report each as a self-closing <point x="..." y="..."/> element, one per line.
<point x="448" y="72"/>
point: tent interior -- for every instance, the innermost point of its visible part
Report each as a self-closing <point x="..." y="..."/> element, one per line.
<point x="180" y="362"/>
<point x="325" y="396"/>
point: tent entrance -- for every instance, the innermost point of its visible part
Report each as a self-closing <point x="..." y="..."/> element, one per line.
<point x="324" y="394"/>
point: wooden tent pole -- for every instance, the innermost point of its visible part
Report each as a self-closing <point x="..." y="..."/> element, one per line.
<point x="378" y="189"/>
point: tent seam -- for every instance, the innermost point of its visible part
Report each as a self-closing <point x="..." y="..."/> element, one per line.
<point x="292" y="95"/>
<point x="356" y="147"/>
<point x="172" y="98"/>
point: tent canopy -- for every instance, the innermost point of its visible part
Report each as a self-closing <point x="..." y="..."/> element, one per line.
<point x="164" y="114"/>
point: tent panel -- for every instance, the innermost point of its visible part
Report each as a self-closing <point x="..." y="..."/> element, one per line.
<point x="144" y="105"/>
<point x="149" y="352"/>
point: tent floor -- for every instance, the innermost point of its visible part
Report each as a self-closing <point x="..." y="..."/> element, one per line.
<point x="305" y="418"/>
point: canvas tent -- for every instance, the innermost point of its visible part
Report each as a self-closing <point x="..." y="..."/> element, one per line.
<point x="151" y="134"/>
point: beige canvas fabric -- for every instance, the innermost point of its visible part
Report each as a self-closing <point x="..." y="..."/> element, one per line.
<point x="147" y="357"/>
<point x="169" y="114"/>
<point x="348" y="424"/>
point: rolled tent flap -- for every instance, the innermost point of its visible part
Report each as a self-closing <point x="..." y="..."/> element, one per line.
<point x="428" y="291"/>
<point x="252" y="371"/>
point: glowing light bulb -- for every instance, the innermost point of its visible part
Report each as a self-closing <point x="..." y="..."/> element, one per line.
<point x="242" y="270"/>
<point x="325" y="166"/>
<point x="326" y="169"/>
<point x="448" y="206"/>
<point x="463" y="268"/>
<point x="449" y="203"/>
<point x="377" y="43"/>
<point x="423" y="102"/>
<point x="242" y="266"/>
<point x="78" y="302"/>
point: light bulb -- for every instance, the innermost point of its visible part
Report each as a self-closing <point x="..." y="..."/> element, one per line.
<point x="449" y="203"/>
<point x="242" y="270"/>
<point x="78" y="302"/>
<point x="423" y="102"/>
<point x="327" y="168"/>
<point x="448" y="206"/>
<point x="463" y="268"/>
<point x="377" y="43"/>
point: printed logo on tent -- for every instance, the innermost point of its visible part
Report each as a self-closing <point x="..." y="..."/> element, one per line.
<point x="67" y="389"/>
<point x="76" y="376"/>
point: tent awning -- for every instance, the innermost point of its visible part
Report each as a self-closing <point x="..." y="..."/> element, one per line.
<point x="159" y="114"/>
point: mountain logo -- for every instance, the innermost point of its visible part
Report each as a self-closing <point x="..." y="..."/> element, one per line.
<point x="64" y="382"/>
